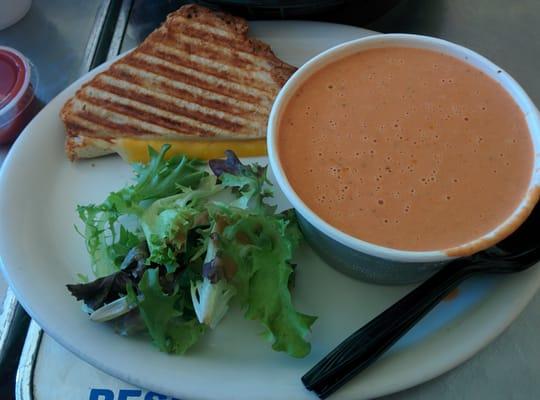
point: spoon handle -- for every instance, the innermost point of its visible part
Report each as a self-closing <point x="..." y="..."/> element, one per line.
<point x="368" y="343"/>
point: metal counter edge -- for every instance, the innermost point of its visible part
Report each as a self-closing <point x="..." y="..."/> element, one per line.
<point x="24" y="387"/>
<point x="11" y="322"/>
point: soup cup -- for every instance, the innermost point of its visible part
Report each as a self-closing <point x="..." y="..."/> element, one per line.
<point x="375" y="263"/>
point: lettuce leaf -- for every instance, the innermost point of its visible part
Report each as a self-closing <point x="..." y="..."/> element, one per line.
<point x="163" y="316"/>
<point x="166" y="222"/>
<point x="166" y="233"/>
<point x="106" y="289"/>
<point x="108" y="241"/>
<point x="211" y="294"/>
<point x="261" y="247"/>
<point x="101" y="291"/>
<point x="164" y="177"/>
<point x="249" y="182"/>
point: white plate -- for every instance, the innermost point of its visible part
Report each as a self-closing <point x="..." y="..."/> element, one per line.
<point x="41" y="252"/>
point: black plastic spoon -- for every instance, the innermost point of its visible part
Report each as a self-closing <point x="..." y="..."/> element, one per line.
<point x="518" y="252"/>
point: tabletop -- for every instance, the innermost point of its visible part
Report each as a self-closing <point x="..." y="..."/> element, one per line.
<point x="63" y="38"/>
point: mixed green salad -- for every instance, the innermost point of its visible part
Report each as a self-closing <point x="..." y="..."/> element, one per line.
<point x="172" y="251"/>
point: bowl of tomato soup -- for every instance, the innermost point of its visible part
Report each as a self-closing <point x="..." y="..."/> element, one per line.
<point x="401" y="152"/>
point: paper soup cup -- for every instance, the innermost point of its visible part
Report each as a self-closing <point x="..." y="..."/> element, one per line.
<point x="372" y="262"/>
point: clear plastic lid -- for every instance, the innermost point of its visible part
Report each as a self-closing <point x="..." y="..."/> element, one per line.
<point x="18" y="82"/>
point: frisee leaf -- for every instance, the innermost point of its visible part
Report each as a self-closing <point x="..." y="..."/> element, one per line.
<point x="108" y="241"/>
<point x="249" y="182"/>
<point x="261" y="247"/>
<point x="167" y="221"/>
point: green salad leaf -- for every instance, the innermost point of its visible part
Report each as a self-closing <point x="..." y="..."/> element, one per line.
<point x="106" y="245"/>
<point x="108" y="241"/>
<point x="171" y="251"/>
<point x="262" y="249"/>
<point x="167" y="221"/>
<point x="163" y="177"/>
<point x="249" y="182"/>
<point x="162" y="314"/>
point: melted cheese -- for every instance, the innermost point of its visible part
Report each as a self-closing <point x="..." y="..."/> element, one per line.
<point x="136" y="150"/>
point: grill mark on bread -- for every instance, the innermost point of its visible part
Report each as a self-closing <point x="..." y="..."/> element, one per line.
<point x="252" y="48"/>
<point x="109" y="128"/>
<point x="201" y="127"/>
<point x="182" y="77"/>
<point x="74" y="128"/>
<point x="205" y="78"/>
<point x="150" y="102"/>
<point x="117" y="128"/>
<point x="217" y="69"/>
<point x="138" y="82"/>
<point x="191" y="45"/>
<point x="154" y="123"/>
<point x="133" y="84"/>
<point x="163" y="82"/>
<point x="181" y="23"/>
<point x="202" y="43"/>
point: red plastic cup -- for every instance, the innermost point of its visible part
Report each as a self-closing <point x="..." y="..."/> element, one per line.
<point x="18" y="103"/>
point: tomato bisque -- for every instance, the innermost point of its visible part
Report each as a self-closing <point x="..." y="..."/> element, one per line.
<point x="406" y="148"/>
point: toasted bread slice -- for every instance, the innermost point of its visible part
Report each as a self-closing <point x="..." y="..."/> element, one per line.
<point x="198" y="76"/>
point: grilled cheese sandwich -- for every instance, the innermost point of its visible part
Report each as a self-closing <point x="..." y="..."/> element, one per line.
<point x="198" y="82"/>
